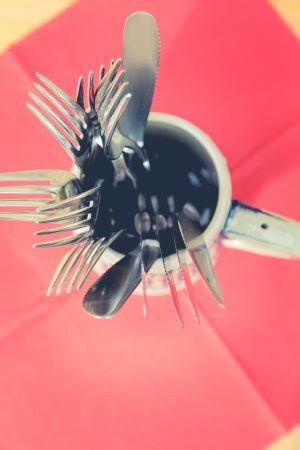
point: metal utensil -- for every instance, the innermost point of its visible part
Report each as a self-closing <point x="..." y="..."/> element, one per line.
<point x="79" y="134"/>
<point x="141" y="57"/>
<point x="95" y="136"/>
<point x="67" y="202"/>
<point x="189" y="226"/>
<point x="80" y="210"/>
<point x="141" y="50"/>
<point x="61" y="184"/>
<point x="170" y="237"/>
<point x="109" y="293"/>
<point x="165" y="236"/>
<point x="63" y="203"/>
<point x="180" y="249"/>
<point x="78" y="262"/>
<point x="78" y="129"/>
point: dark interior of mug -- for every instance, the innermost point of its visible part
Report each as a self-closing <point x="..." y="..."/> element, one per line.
<point x="182" y="172"/>
<point x="183" y="169"/>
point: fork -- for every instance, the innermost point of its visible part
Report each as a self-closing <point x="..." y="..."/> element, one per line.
<point x="60" y="185"/>
<point x="169" y="237"/>
<point x="77" y="215"/>
<point x="64" y="204"/>
<point x="83" y="130"/>
<point x="106" y="105"/>
<point x="85" y="133"/>
<point x="77" y="263"/>
<point x="93" y="133"/>
<point x="171" y="229"/>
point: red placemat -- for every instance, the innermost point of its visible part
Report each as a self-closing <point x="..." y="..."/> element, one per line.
<point x="70" y="381"/>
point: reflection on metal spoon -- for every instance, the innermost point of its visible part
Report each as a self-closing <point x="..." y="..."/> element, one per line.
<point x="109" y="293"/>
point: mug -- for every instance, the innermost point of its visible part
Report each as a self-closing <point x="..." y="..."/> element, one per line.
<point x="232" y="223"/>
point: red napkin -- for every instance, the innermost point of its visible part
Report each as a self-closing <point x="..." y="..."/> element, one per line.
<point x="70" y="381"/>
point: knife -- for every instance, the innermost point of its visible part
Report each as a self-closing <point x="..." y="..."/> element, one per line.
<point x="190" y="230"/>
<point x="141" y="49"/>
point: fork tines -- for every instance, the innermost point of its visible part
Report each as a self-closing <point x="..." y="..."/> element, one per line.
<point x="69" y="127"/>
<point x="69" y="121"/>
<point x="143" y="227"/>
<point x="77" y="264"/>
<point x="111" y="99"/>
<point x="76" y="216"/>
<point x="164" y="235"/>
<point x="39" y="195"/>
<point x="180" y="250"/>
<point x="72" y="201"/>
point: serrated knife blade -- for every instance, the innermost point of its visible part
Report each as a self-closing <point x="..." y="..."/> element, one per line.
<point x="141" y="51"/>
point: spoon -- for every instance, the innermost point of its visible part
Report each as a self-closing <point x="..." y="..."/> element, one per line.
<point x="109" y="293"/>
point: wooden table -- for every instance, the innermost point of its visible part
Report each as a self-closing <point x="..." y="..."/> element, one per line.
<point x="19" y="18"/>
<point x="290" y="11"/>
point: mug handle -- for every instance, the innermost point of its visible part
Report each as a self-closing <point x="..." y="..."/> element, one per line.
<point x="262" y="232"/>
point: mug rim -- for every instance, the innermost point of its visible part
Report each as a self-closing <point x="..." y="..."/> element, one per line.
<point x="219" y="218"/>
<point x="213" y="230"/>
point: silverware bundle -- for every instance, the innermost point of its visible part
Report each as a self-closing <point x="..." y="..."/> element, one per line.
<point x="105" y="140"/>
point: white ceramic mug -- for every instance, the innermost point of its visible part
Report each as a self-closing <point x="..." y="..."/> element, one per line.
<point x="233" y="223"/>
